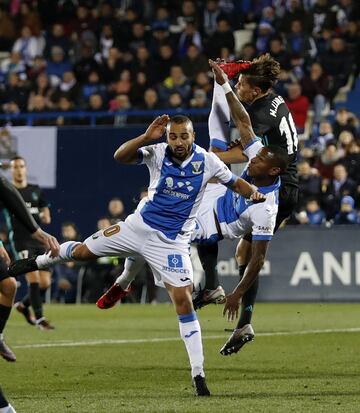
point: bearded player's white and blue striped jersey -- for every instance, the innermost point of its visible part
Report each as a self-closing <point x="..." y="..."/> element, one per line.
<point x="236" y="215"/>
<point x="176" y="188"/>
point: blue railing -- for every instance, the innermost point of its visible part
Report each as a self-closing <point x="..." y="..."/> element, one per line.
<point x="29" y="118"/>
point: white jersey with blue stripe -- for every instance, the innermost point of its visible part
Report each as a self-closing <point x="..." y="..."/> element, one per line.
<point x="176" y="188"/>
<point x="238" y="216"/>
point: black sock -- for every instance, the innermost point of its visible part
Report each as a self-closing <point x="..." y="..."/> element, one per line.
<point x="35" y="299"/>
<point x="208" y="257"/>
<point x="26" y="300"/>
<point x="4" y="315"/>
<point x="3" y="401"/>
<point x="248" y="300"/>
<point x="43" y="294"/>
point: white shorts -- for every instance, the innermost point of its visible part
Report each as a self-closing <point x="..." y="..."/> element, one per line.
<point x="206" y="231"/>
<point x="169" y="259"/>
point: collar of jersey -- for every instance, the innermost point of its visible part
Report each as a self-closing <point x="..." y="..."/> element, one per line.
<point x="270" y="188"/>
<point x="182" y="164"/>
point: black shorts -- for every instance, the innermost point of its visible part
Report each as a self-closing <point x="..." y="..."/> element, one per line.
<point x="3" y="270"/>
<point x="28" y="250"/>
<point x="288" y="199"/>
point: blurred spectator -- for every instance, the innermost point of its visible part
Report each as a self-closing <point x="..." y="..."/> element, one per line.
<point x="263" y="36"/>
<point x="43" y="88"/>
<point x="138" y="89"/>
<point x="139" y="37"/>
<point x="347" y="214"/>
<point x="29" y="17"/>
<point x="187" y="13"/>
<point x="93" y="86"/>
<point x="323" y="137"/>
<point x="248" y="52"/>
<point x="16" y="92"/>
<point x="294" y="12"/>
<point x="328" y="159"/>
<point x="68" y="87"/>
<point x="322" y="16"/>
<point x="222" y="37"/>
<point x="164" y="63"/>
<point x="113" y="65"/>
<point x="177" y="82"/>
<point x="194" y="62"/>
<point x="12" y="64"/>
<point x="298" y="106"/>
<point x="309" y="183"/>
<point x="116" y="210"/>
<point x="352" y="161"/>
<point x="300" y="43"/>
<point x="64" y="105"/>
<point x="278" y="52"/>
<point x="345" y="120"/>
<point x="7" y="31"/>
<point x="338" y="63"/>
<point x="189" y="36"/>
<point x="58" y="38"/>
<point x="209" y="18"/>
<point x="312" y="215"/>
<point x="315" y="87"/>
<point x="345" y="139"/>
<point x="151" y="100"/>
<point x="335" y="189"/>
<point x="28" y="45"/>
<point x="143" y="62"/>
<point x="85" y="64"/>
<point x="57" y="65"/>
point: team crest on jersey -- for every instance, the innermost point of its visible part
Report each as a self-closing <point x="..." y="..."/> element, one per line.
<point x="196" y="167"/>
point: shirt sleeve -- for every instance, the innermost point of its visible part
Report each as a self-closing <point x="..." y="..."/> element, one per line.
<point x="150" y="154"/>
<point x="220" y="171"/>
<point x="253" y="148"/>
<point x="263" y="222"/>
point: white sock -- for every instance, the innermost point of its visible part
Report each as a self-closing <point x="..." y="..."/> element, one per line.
<point x="132" y="267"/>
<point x="7" y="409"/>
<point x="219" y="119"/>
<point x="44" y="261"/>
<point x="1" y="336"/>
<point x="190" y="332"/>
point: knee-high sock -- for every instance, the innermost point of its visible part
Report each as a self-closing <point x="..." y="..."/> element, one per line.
<point x="208" y="255"/>
<point x="248" y="300"/>
<point x="219" y="119"/>
<point x="132" y="267"/>
<point x="190" y="332"/>
<point x="3" y="401"/>
<point x="35" y="299"/>
<point x="26" y="300"/>
<point x="4" y="315"/>
<point x="45" y="261"/>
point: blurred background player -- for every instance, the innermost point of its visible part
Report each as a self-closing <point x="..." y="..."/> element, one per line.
<point x="273" y="123"/>
<point x="13" y="202"/>
<point x="25" y="246"/>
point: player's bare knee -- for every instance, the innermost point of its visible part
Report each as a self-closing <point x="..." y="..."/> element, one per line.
<point x="33" y="277"/>
<point x="8" y="287"/>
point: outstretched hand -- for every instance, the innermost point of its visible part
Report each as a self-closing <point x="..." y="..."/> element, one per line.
<point x="231" y="307"/>
<point x="157" y="127"/>
<point x="257" y="197"/>
<point x="50" y="242"/>
<point x="220" y="75"/>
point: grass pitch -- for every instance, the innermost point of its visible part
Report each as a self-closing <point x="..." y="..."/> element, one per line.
<point x="131" y="359"/>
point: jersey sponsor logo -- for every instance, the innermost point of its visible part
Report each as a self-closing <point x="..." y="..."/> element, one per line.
<point x="262" y="228"/>
<point x="196" y="167"/>
<point x="175" y="265"/>
<point x="114" y="229"/>
<point x="171" y="186"/>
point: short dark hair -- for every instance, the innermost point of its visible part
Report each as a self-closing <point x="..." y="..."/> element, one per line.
<point x="263" y="72"/>
<point x="17" y="158"/>
<point x="281" y="158"/>
<point x="179" y="119"/>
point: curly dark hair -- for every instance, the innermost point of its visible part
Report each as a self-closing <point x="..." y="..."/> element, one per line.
<point x="263" y="72"/>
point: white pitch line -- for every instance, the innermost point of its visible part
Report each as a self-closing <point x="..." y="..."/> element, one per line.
<point x="166" y="339"/>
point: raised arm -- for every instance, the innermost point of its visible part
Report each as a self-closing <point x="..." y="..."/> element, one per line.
<point x="127" y="152"/>
<point x="258" y="254"/>
<point x="233" y="155"/>
<point x="238" y="113"/>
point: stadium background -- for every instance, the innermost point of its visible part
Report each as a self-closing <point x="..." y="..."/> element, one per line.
<point x="94" y="73"/>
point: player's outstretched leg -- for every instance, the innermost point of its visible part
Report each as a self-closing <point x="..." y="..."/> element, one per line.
<point x="236" y="341"/>
<point x="7" y="294"/>
<point x="122" y="286"/>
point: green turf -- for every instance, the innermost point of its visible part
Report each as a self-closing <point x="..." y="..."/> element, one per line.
<point x="293" y="373"/>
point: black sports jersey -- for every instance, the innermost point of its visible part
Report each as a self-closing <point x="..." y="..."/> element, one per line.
<point x="35" y="201"/>
<point x="273" y="123"/>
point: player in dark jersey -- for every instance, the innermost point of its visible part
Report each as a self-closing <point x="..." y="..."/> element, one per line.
<point x="12" y="201"/>
<point x="273" y="123"/>
<point x="25" y="246"/>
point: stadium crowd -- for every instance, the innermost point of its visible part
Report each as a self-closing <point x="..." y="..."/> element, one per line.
<point x="109" y="56"/>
